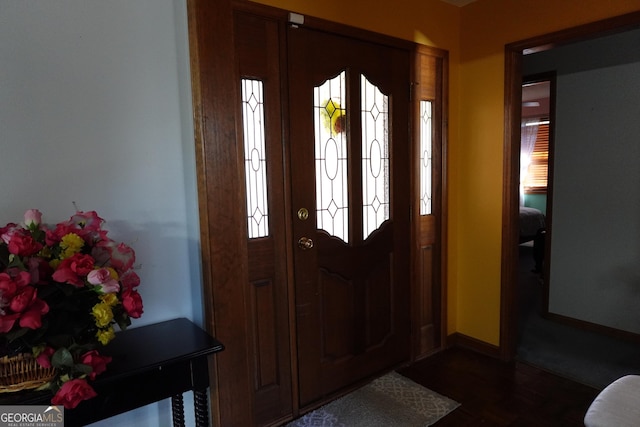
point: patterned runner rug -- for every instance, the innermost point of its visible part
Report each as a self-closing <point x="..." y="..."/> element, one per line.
<point x="389" y="401"/>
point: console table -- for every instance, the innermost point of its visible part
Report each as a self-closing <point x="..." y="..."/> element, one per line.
<point x="150" y="363"/>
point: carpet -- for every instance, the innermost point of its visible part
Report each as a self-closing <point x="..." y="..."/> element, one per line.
<point x="580" y="355"/>
<point x="390" y="401"/>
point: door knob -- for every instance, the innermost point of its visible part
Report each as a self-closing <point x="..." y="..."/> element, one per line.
<point x="305" y="243"/>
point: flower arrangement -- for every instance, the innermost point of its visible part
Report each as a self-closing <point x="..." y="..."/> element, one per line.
<point x="62" y="291"/>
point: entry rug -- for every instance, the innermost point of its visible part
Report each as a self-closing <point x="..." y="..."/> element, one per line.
<point x="389" y="401"/>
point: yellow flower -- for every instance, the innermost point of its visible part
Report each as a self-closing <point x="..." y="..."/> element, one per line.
<point x="105" y="335"/>
<point x="113" y="273"/>
<point x="103" y="314"/>
<point x="45" y="252"/>
<point x="109" y="299"/>
<point x="71" y="244"/>
<point x="333" y="117"/>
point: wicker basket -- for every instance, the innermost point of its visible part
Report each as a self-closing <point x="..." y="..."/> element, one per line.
<point x="22" y="372"/>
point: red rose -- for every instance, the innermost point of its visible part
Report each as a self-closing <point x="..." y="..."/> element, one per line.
<point x="130" y="280"/>
<point x="22" y="244"/>
<point x="97" y="362"/>
<point x="72" y="270"/>
<point x="32" y="317"/>
<point x="72" y="393"/>
<point x="7" y="321"/>
<point x="23" y="299"/>
<point x="132" y="303"/>
<point x="44" y="358"/>
<point x="8" y="286"/>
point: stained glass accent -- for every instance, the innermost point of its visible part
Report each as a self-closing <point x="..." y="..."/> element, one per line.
<point x="426" y="152"/>
<point x="255" y="158"/>
<point x="375" y="157"/>
<point x="332" y="197"/>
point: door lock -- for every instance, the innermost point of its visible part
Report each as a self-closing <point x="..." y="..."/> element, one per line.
<point x="303" y="214"/>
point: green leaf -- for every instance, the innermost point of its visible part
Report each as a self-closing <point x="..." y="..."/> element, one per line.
<point x="62" y="358"/>
<point x="83" y="369"/>
<point x="4" y="255"/>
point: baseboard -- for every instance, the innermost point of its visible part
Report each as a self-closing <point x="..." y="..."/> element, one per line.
<point x="593" y="327"/>
<point x="464" y="341"/>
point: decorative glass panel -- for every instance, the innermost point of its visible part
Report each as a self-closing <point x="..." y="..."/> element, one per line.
<point x="375" y="157"/>
<point x="426" y="151"/>
<point x="332" y="198"/>
<point x="255" y="158"/>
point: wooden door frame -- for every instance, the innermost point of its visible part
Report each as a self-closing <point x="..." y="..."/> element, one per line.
<point x="511" y="153"/>
<point x="221" y="205"/>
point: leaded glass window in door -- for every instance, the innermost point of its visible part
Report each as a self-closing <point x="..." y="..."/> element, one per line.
<point x="332" y="198"/>
<point x="426" y="153"/>
<point x="375" y="157"/>
<point x="255" y="158"/>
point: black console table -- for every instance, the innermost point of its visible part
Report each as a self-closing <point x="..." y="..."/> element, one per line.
<point x="150" y="363"/>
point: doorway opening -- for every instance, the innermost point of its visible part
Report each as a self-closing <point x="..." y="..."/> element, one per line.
<point x="514" y="54"/>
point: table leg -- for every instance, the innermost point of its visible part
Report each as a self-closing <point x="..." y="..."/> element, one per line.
<point x="177" y="408"/>
<point x="201" y="408"/>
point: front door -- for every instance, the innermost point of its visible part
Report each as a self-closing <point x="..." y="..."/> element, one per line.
<point x="350" y="167"/>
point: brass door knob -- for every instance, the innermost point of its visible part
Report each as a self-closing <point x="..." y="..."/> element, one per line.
<point x="305" y="243"/>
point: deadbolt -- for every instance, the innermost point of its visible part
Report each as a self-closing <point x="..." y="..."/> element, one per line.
<point x="303" y="214"/>
<point x="305" y="243"/>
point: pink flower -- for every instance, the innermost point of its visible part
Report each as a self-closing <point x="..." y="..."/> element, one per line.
<point x="121" y="256"/>
<point x="102" y="277"/>
<point x="86" y="225"/>
<point x="44" y="358"/>
<point x="132" y="303"/>
<point x="72" y="270"/>
<point x="72" y="393"/>
<point x="97" y="362"/>
<point x="7" y="231"/>
<point x="32" y="218"/>
<point x="86" y="220"/>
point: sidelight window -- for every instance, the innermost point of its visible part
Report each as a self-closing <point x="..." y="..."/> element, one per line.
<point x="255" y="158"/>
<point x="426" y="157"/>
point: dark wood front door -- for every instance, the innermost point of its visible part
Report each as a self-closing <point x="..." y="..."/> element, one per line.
<point x="350" y="196"/>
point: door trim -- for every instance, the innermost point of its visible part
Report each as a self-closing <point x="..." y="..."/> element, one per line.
<point x="220" y="189"/>
<point x="511" y="153"/>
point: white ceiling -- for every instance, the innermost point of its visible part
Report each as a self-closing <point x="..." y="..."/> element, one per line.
<point x="459" y="3"/>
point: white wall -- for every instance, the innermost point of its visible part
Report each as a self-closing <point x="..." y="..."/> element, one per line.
<point x="595" y="247"/>
<point x="95" y="108"/>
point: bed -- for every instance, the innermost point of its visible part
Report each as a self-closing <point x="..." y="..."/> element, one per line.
<point x="531" y="222"/>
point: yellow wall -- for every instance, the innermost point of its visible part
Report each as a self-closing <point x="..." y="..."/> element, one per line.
<point x="475" y="36"/>
<point x="476" y="159"/>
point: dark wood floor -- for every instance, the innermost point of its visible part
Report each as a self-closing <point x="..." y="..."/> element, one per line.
<point x="495" y="393"/>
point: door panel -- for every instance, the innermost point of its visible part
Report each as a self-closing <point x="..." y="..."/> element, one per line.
<point x="427" y="294"/>
<point x="266" y="299"/>
<point x="352" y="286"/>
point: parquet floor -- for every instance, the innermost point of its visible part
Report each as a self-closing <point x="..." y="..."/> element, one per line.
<point x="495" y="393"/>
